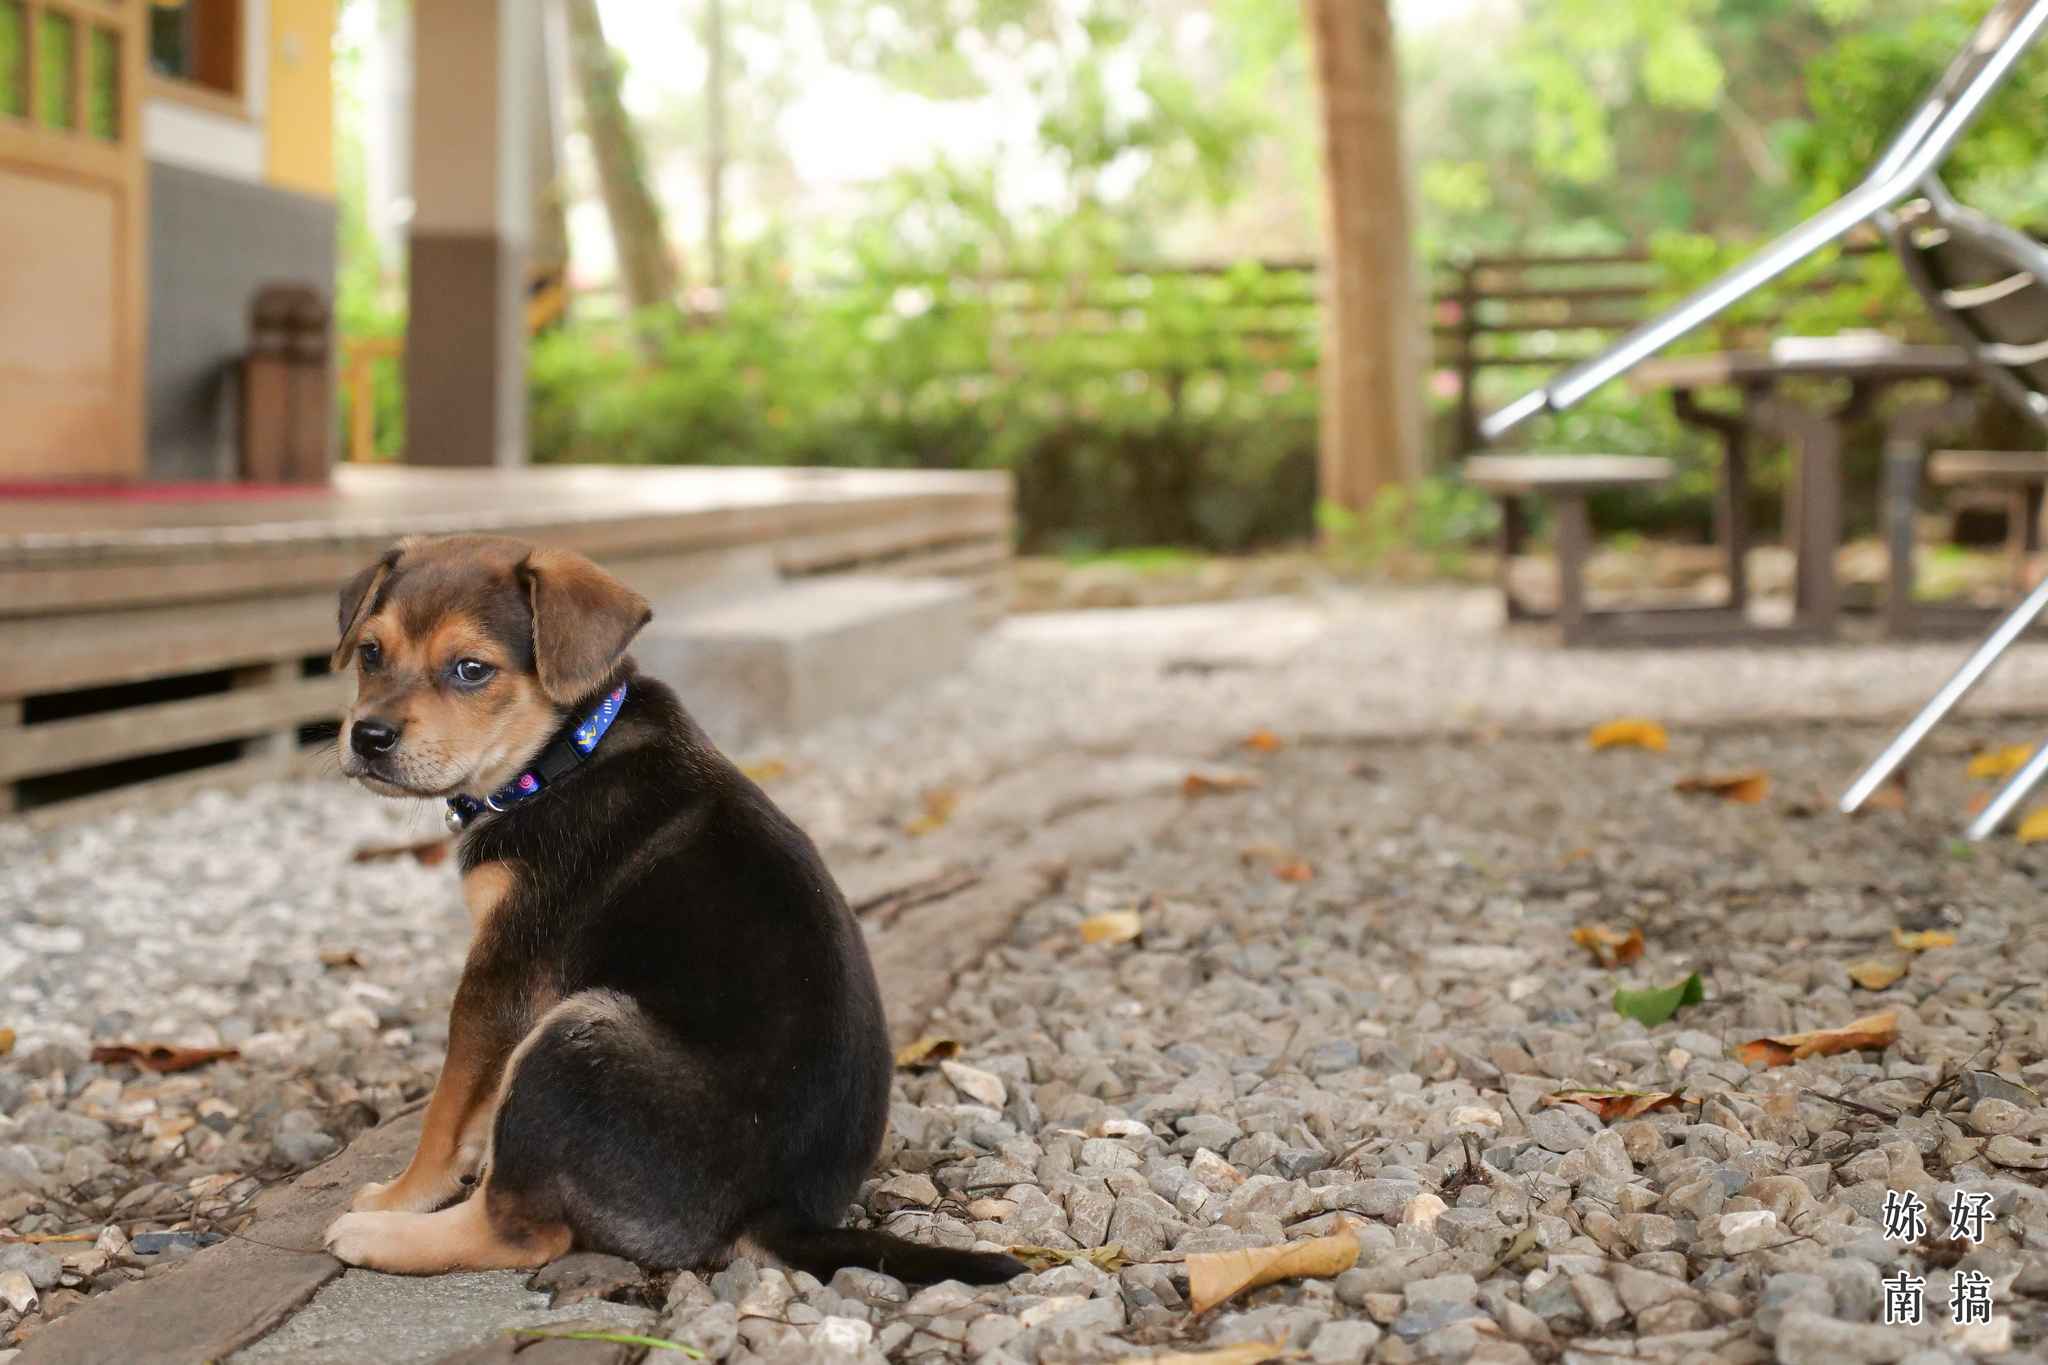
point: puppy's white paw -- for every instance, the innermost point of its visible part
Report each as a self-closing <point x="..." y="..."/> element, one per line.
<point x="355" y="1237"/>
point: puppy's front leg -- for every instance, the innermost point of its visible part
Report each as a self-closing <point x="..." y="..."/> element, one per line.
<point x="459" y="1115"/>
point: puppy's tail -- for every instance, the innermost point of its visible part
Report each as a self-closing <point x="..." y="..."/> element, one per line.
<point x="824" y="1251"/>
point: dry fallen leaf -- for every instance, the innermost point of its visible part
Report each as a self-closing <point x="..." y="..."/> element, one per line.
<point x="1217" y="1276"/>
<point x="938" y="809"/>
<point x="162" y="1056"/>
<point x="1749" y="788"/>
<point x="1111" y="927"/>
<point x="2034" y="828"/>
<point x="1524" y="1253"/>
<point x="1223" y="780"/>
<point x="339" y="959"/>
<point x="927" y="1051"/>
<point x="1921" y="941"/>
<point x="1609" y="947"/>
<point x="2004" y="762"/>
<point x="1876" y="973"/>
<point x="1244" y="1353"/>
<point x="767" y="770"/>
<point x="1263" y="741"/>
<point x="1630" y="733"/>
<point x="1612" y="1105"/>
<point x="6" y="1041"/>
<point x="1890" y="796"/>
<point x="1108" y="1258"/>
<point x="1295" y="871"/>
<point x="426" y="852"/>
<point x="1871" y="1031"/>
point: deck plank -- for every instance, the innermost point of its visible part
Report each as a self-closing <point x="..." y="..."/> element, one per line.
<point x="160" y="727"/>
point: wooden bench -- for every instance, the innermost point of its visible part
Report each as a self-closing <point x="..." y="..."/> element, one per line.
<point x="2014" y="477"/>
<point x="1565" y="482"/>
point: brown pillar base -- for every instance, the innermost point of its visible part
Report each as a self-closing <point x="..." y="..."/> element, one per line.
<point x="465" y="351"/>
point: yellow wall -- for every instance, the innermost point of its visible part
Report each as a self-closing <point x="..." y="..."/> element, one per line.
<point x="300" y="121"/>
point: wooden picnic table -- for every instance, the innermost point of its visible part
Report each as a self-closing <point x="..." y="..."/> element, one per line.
<point x="1814" y="425"/>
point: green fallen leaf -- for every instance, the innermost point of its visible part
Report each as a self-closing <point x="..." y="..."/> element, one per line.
<point x="1659" y="1003"/>
<point x="616" y="1338"/>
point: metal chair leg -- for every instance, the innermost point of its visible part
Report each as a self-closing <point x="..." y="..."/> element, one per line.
<point x="2009" y="796"/>
<point x="1954" y="690"/>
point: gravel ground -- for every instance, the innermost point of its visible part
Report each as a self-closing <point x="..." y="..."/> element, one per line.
<point x="1341" y="1047"/>
<point x="1370" y="1050"/>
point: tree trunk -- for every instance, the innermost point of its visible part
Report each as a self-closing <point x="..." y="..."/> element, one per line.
<point x="647" y="265"/>
<point x="1371" y="372"/>
<point x="715" y="151"/>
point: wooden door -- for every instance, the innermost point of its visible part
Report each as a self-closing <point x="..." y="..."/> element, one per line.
<point x="72" y="223"/>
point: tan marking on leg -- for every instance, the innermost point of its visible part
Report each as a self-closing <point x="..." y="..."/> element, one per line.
<point x="463" y="1103"/>
<point x="484" y="889"/>
<point x="462" y="1237"/>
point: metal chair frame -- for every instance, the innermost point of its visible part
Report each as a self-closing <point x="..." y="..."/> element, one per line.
<point x="1907" y="168"/>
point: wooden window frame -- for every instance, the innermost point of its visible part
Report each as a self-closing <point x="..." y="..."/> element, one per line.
<point x="230" y="102"/>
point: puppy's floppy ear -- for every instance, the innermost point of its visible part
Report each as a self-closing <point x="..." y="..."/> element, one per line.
<point x="583" y="619"/>
<point x="358" y="599"/>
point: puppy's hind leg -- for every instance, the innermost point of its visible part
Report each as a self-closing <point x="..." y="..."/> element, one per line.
<point x="611" y="1125"/>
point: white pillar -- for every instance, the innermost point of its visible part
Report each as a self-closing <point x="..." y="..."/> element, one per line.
<point x="465" y="364"/>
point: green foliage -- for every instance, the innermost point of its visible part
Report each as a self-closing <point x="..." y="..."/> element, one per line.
<point x="1438" y="517"/>
<point x="1862" y="88"/>
<point x="13" y="52"/>
<point x="369" y="300"/>
<point x="1149" y="419"/>
<point x="1612" y="120"/>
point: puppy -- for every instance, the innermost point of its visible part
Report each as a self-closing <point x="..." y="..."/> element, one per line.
<point x="667" y="1039"/>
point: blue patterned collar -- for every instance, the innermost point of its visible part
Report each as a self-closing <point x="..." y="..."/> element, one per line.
<point x="564" y="752"/>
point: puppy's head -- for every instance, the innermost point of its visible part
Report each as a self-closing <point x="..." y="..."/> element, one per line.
<point x="468" y="653"/>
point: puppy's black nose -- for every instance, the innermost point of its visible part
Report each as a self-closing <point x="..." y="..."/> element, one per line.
<point x="372" y="737"/>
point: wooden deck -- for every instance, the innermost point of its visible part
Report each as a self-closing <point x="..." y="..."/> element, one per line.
<point x="159" y="644"/>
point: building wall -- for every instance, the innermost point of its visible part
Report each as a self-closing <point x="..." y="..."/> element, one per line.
<point x="213" y="242"/>
<point x="299" y="119"/>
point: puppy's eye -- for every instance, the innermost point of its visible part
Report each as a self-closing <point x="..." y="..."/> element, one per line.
<point x="371" y="654"/>
<point x="473" y="672"/>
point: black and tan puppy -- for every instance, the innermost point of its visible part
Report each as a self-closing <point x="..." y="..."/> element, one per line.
<point x="667" y="1040"/>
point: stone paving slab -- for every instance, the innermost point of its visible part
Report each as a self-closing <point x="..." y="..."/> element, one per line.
<point x="396" y="1320"/>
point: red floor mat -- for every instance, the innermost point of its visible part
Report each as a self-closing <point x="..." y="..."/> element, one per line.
<point x="161" y="492"/>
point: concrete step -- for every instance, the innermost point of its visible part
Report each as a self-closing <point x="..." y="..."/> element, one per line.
<point x="808" y="651"/>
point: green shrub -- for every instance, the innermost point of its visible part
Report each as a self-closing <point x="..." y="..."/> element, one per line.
<point x="1132" y="410"/>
